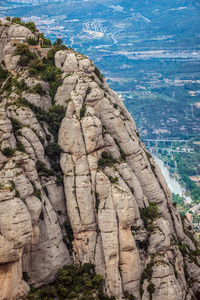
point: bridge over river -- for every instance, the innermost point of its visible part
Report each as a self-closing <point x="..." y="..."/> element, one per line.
<point x="155" y="145"/>
<point x="149" y="141"/>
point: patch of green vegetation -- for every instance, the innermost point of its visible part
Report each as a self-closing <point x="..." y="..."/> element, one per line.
<point x="12" y="183"/>
<point x="3" y="75"/>
<point x="189" y="253"/>
<point x="52" y="52"/>
<point x="151" y="289"/>
<point x="79" y="282"/>
<point x="52" y="74"/>
<point x="135" y="228"/>
<point x="25" y="276"/>
<point x="42" y="169"/>
<point x="37" y="193"/>
<point x="123" y="155"/>
<point x="53" y="150"/>
<point x="45" y="69"/>
<point x="16" y="125"/>
<point x="68" y="238"/>
<point x="32" y="41"/>
<point x="38" y="135"/>
<point x="144" y="244"/>
<point x="30" y="25"/>
<point x="40" y="114"/>
<point x="148" y="272"/>
<point x="41" y="215"/>
<point x="39" y="89"/>
<point x="83" y="110"/>
<point x="7" y="87"/>
<point x="113" y="179"/>
<point x="177" y="199"/>
<point x="98" y="73"/>
<point x="21" y="85"/>
<point x="8" y="152"/>
<point x="45" y="42"/>
<point x="55" y="115"/>
<point x="25" y="54"/>
<point x="149" y="214"/>
<point x="97" y="202"/>
<point x="129" y="296"/>
<point x="106" y="160"/>
<point x="17" y="194"/>
<point x="148" y="155"/>
<point x="88" y="90"/>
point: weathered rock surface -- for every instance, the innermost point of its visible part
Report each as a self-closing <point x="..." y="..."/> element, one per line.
<point x="9" y="35"/>
<point x="110" y="183"/>
<point x="31" y="234"/>
<point x="103" y="201"/>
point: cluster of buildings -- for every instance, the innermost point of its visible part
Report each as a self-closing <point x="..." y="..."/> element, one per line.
<point x="194" y="219"/>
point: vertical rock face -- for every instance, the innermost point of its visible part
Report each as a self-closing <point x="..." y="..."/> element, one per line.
<point x="113" y="194"/>
<point x="111" y="182"/>
<point x="31" y="235"/>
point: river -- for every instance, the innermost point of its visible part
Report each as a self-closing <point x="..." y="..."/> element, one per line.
<point x="173" y="184"/>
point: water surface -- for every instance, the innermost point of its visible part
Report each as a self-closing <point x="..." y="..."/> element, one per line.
<point x="172" y="182"/>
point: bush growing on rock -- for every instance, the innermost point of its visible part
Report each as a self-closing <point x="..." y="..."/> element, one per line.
<point x="23" y="49"/>
<point x="25" y="54"/>
<point x="8" y="152"/>
<point x="149" y="214"/>
<point x="3" y="75"/>
<point x="106" y="160"/>
<point x="55" y="116"/>
<point x="42" y="169"/>
<point x="32" y="41"/>
<point x="151" y="289"/>
<point x="30" y="25"/>
<point x="39" y="89"/>
<point x="53" y="150"/>
<point x="16" y="124"/>
<point x="74" y="282"/>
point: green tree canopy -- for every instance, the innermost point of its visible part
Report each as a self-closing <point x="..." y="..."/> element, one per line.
<point x="58" y="42"/>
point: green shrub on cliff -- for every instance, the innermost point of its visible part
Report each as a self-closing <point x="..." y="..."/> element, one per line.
<point x="30" y="25"/>
<point x="3" y="75"/>
<point x="106" y="160"/>
<point x="25" y="54"/>
<point x="74" y="282"/>
<point x="39" y="89"/>
<point x="149" y="214"/>
<point x="8" y="152"/>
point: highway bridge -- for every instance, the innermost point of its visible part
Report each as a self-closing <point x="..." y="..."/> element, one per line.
<point x="164" y="141"/>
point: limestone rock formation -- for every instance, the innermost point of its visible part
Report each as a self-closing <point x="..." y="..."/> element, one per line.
<point x="113" y="194"/>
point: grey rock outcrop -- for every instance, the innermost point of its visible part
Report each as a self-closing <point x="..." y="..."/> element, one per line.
<point x="109" y="178"/>
<point x="9" y="35"/>
<point x="31" y="233"/>
<point x="113" y="195"/>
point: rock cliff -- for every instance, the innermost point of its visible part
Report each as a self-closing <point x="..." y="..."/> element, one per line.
<point x="109" y="190"/>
